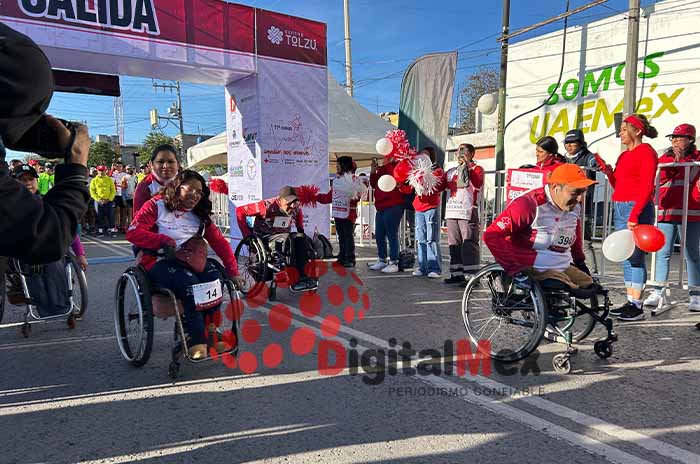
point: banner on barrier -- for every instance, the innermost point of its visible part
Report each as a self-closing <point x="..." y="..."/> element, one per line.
<point x="519" y="181"/>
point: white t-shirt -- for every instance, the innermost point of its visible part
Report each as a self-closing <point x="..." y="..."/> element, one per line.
<point x="118" y="177"/>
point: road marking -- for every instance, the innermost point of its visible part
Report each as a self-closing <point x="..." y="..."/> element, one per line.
<point x="111" y="259"/>
<point x="590" y="422"/>
<point x="432" y="302"/>
<point x="389" y="316"/>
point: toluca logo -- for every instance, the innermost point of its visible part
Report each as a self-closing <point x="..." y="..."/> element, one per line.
<point x="134" y="15"/>
<point x="275" y="35"/>
<point x="252" y="169"/>
<point x="291" y="38"/>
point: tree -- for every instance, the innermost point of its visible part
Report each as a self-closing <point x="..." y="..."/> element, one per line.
<point x="101" y="153"/>
<point x="152" y="140"/>
<point x="483" y="81"/>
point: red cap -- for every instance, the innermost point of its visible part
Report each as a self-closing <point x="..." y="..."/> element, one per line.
<point x="101" y="168"/>
<point x="684" y="130"/>
<point x="33" y="162"/>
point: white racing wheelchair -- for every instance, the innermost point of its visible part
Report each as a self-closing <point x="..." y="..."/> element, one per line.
<point x="514" y="316"/>
<point x="138" y="302"/>
<point x="26" y="285"/>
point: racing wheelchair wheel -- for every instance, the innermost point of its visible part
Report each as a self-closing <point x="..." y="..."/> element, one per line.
<point x="507" y="319"/>
<point x="252" y="262"/>
<point x="77" y="284"/>
<point x="133" y="316"/>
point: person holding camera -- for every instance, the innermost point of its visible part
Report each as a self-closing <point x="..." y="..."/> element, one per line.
<point x="34" y="230"/>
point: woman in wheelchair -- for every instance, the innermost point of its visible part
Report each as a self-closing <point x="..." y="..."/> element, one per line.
<point x="540" y="232"/>
<point x="273" y="224"/>
<point x="176" y="221"/>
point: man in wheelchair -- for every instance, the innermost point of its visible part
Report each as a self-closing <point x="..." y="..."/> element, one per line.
<point x="539" y="233"/>
<point x="273" y="224"/>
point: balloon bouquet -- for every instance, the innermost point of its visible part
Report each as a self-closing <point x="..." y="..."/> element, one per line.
<point x="413" y="171"/>
<point x="620" y="245"/>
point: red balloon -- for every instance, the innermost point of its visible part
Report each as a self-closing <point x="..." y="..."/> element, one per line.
<point x="648" y="238"/>
<point x="402" y="170"/>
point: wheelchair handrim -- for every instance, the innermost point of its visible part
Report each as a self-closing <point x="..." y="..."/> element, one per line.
<point x="123" y="332"/>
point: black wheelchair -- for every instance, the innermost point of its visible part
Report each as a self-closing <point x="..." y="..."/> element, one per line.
<point x="16" y="289"/>
<point x="259" y="261"/>
<point x="138" y="302"/>
<point x="514" y="316"/>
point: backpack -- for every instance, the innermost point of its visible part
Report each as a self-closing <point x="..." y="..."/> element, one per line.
<point x="322" y="246"/>
<point x="407" y="260"/>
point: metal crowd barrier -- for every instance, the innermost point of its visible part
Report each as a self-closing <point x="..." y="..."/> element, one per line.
<point x="220" y="211"/>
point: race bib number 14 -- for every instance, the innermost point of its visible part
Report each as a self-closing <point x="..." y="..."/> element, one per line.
<point x="207" y="295"/>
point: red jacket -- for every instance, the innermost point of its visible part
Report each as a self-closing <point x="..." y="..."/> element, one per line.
<point x="327" y="198"/>
<point x="385" y="200"/>
<point x="671" y="189"/>
<point x="144" y="233"/>
<point x="146" y="189"/>
<point x="551" y="163"/>
<point x="634" y="178"/>
<point x="265" y="212"/>
<point x="424" y="203"/>
<point x="533" y="232"/>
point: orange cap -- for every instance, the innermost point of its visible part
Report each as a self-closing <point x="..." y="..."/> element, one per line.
<point x="570" y="174"/>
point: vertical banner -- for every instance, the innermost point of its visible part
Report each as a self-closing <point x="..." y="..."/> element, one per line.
<point x="426" y="101"/>
<point x="242" y="127"/>
<point x="293" y="100"/>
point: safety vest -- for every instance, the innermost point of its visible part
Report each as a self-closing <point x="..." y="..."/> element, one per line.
<point x="671" y="189"/>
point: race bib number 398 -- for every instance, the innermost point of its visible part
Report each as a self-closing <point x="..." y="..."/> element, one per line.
<point x="207" y="295"/>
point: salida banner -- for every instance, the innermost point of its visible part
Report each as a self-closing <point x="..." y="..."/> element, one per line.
<point x="592" y="85"/>
<point x="208" y="41"/>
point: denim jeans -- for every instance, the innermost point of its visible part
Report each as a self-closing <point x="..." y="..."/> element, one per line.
<point x="105" y="215"/>
<point x="692" y="253"/>
<point x="427" y="237"/>
<point x="172" y="274"/>
<point x="387" y="229"/>
<point x="346" y="240"/>
<point x="634" y="268"/>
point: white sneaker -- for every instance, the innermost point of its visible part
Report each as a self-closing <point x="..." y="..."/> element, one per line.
<point x="390" y="268"/>
<point x="694" y="304"/>
<point x="378" y="266"/>
<point x="417" y="273"/>
<point x="434" y="275"/>
<point x="653" y="298"/>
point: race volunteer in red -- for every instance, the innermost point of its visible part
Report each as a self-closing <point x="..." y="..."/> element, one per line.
<point x="164" y="166"/>
<point x="169" y="221"/>
<point x="462" y="215"/>
<point x="390" y="207"/>
<point x="547" y="154"/>
<point x="633" y="180"/>
<point x="670" y="218"/>
<point x="540" y="231"/>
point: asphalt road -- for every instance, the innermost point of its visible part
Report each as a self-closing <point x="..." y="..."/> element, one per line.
<point x="67" y="395"/>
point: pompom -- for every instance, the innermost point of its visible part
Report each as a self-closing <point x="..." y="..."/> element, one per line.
<point x="402" y="149"/>
<point x="307" y="195"/>
<point x="350" y="185"/>
<point x="422" y="178"/>
<point x="219" y="186"/>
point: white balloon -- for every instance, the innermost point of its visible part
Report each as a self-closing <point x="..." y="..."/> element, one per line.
<point x="488" y="103"/>
<point x="384" y="146"/>
<point x="619" y="245"/>
<point x="386" y="183"/>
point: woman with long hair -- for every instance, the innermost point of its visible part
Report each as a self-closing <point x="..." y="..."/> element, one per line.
<point x="164" y="166"/>
<point x="180" y="213"/>
<point x="547" y="154"/>
<point x="633" y="183"/>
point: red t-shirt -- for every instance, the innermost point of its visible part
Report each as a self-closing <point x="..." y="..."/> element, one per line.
<point x="634" y="178"/>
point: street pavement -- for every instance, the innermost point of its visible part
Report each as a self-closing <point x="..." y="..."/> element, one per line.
<point x="68" y="396"/>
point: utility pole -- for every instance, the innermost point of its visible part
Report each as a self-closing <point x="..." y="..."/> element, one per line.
<point x="175" y="112"/>
<point x="348" y="54"/>
<point x="500" y="135"/>
<point x="630" y="104"/>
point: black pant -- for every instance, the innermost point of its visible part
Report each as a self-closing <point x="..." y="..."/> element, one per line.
<point x="346" y="238"/>
<point x="294" y="246"/>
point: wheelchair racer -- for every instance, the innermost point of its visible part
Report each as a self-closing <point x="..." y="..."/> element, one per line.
<point x="273" y="223"/>
<point x="539" y="233"/>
